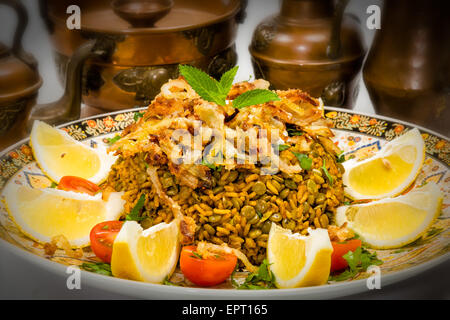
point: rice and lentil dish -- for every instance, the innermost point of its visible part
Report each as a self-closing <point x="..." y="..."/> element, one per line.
<point x="233" y="204"/>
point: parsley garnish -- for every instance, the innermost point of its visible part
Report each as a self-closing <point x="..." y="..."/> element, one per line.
<point x="111" y="141"/>
<point x="340" y="157"/>
<point x="294" y="132"/>
<point x="217" y="91"/>
<point x="327" y="174"/>
<point x="99" y="267"/>
<point x="168" y="283"/>
<point x="282" y="147"/>
<point x="305" y="161"/>
<point x="196" y="255"/>
<point x="358" y="261"/>
<point x="53" y="185"/>
<point x="134" y="215"/>
<point x="263" y="278"/>
<point x="138" y="115"/>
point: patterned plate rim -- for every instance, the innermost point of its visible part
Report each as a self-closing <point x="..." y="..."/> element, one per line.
<point x="353" y="286"/>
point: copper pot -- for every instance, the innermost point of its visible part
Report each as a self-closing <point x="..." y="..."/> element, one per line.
<point x="140" y="54"/>
<point x="311" y="45"/>
<point x="20" y="82"/>
<point x="407" y="72"/>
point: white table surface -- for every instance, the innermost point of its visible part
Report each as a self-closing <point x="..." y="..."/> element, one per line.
<point x="20" y="280"/>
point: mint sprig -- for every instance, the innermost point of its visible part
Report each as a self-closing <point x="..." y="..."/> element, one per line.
<point x="215" y="91"/>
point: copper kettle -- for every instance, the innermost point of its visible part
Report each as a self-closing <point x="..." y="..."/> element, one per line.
<point x="20" y="82"/>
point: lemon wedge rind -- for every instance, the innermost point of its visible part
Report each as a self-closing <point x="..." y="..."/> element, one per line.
<point x="299" y="261"/>
<point x="388" y="173"/>
<point x="148" y="255"/>
<point x="393" y="222"/>
<point x="62" y="155"/>
<point x="41" y="214"/>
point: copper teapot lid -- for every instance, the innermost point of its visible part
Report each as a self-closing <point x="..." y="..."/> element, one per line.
<point x="146" y="16"/>
<point x="17" y="78"/>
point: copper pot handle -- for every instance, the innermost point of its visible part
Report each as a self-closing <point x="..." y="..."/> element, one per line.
<point x="68" y="107"/>
<point x="334" y="48"/>
<point x="22" y="22"/>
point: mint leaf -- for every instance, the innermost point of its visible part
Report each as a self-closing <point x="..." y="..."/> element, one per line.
<point x="305" y="161"/>
<point x="254" y="97"/>
<point x="226" y="81"/>
<point x="282" y="147"/>
<point x="205" y="86"/>
<point x="134" y="215"/>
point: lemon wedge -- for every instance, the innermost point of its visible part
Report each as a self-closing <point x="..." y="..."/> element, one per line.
<point x="391" y="171"/>
<point x="148" y="255"/>
<point x="58" y="155"/>
<point x="299" y="261"/>
<point x="44" y="213"/>
<point x="393" y="222"/>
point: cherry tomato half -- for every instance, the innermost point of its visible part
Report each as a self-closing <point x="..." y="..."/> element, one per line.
<point x="339" y="250"/>
<point x="206" y="272"/>
<point x="77" y="184"/>
<point x="102" y="238"/>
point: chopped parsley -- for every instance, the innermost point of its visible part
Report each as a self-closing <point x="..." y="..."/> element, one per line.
<point x="263" y="278"/>
<point x="113" y="140"/>
<point x="138" y="115"/>
<point x="99" y="267"/>
<point x="358" y="261"/>
<point x="305" y="161"/>
<point x="282" y="147"/>
<point x="340" y="158"/>
<point x="134" y="215"/>
<point x="327" y="174"/>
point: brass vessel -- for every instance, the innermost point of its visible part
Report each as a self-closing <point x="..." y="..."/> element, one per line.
<point x="141" y="51"/>
<point x="311" y="45"/>
<point x="20" y="82"/>
<point x="407" y="72"/>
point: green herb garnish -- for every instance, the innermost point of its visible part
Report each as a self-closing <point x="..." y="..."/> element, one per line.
<point x="134" y="215"/>
<point x="263" y="278"/>
<point x="305" y="161"/>
<point x="211" y="166"/>
<point x="99" y="267"/>
<point x="196" y="255"/>
<point x="254" y="97"/>
<point x="340" y="158"/>
<point x="169" y="283"/>
<point x="138" y="115"/>
<point x="53" y="185"/>
<point x="282" y="147"/>
<point x="358" y="261"/>
<point x="327" y="174"/>
<point x="217" y="91"/>
<point x="111" y="141"/>
<point x="294" y="132"/>
<point x="260" y="215"/>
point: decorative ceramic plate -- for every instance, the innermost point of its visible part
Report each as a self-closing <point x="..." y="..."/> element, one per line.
<point x="354" y="133"/>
